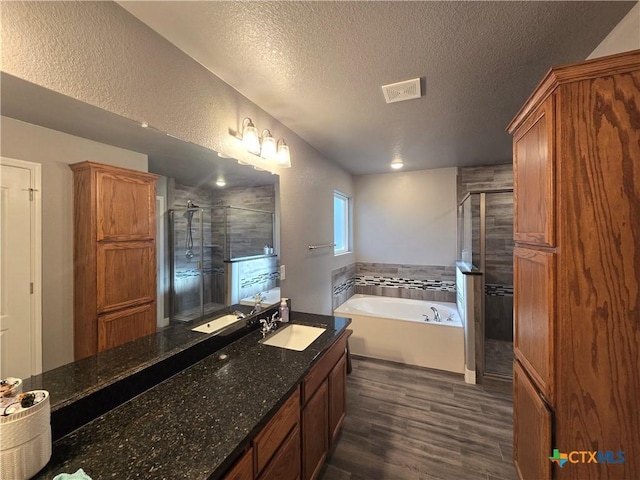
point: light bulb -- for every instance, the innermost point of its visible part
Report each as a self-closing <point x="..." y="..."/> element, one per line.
<point x="284" y="157"/>
<point x="250" y="136"/>
<point x="397" y="164"/>
<point x="268" y="150"/>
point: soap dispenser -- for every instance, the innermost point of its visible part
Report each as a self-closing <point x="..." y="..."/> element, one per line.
<point x="284" y="311"/>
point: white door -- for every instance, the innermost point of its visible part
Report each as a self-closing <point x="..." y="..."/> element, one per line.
<point x="20" y="321"/>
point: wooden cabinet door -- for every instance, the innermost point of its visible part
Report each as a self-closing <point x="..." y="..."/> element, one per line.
<point x="243" y="469"/>
<point x="534" y="312"/>
<point x="286" y="462"/>
<point x="273" y="434"/>
<point x="125" y="325"/>
<point x="337" y="397"/>
<point x="125" y="208"/>
<point x="315" y="432"/>
<point x="531" y="429"/>
<point x="126" y="274"/>
<point x="533" y="178"/>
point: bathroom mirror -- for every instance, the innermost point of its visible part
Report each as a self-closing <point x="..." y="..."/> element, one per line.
<point x="194" y="267"/>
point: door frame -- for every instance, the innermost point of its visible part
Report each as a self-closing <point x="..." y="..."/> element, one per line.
<point x="36" y="255"/>
<point x="161" y="207"/>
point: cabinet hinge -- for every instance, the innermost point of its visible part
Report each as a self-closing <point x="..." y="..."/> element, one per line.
<point x="31" y="288"/>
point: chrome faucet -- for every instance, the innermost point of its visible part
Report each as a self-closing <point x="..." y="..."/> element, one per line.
<point x="269" y="324"/>
<point x="436" y="314"/>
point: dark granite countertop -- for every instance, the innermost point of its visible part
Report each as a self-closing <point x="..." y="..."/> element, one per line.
<point x="195" y="424"/>
<point x="73" y="381"/>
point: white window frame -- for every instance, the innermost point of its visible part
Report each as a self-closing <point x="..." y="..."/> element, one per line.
<point x="347" y="222"/>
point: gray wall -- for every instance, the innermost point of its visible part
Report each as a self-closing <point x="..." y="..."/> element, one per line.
<point x="624" y="37"/>
<point x="98" y="53"/>
<point x="406" y="217"/>
<point x="55" y="151"/>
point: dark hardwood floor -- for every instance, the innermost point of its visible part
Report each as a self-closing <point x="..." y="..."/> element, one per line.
<point x="411" y="423"/>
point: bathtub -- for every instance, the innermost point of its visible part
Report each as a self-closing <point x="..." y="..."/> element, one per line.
<point x="395" y="329"/>
<point x="270" y="297"/>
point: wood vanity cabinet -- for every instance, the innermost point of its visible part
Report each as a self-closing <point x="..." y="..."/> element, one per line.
<point x="315" y="440"/>
<point x="337" y="383"/>
<point x="324" y="406"/>
<point x="272" y="436"/>
<point x="114" y="256"/>
<point x="577" y="271"/>
<point x="243" y="468"/>
<point x="295" y="443"/>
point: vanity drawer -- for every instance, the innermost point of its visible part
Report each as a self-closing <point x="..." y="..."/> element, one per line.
<point x="273" y="434"/>
<point x="320" y="370"/>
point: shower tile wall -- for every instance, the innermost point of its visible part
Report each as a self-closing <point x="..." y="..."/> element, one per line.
<point x="187" y="270"/>
<point x="343" y="284"/>
<point x="488" y="177"/>
<point x="499" y="266"/>
<point x="249" y="237"/>
<point x="249" y="231"/>
<point x="499" y="243"/>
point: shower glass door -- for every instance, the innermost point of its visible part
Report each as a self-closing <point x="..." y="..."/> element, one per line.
<point x="498" y="282"/>
<point x="197" y="275"/>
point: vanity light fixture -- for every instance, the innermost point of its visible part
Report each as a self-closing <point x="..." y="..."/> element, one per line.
<point x="265" y="146"/>
<point x="250" y="136"/>
<point x="268" y="145"/>
<point x="284" y="159"/>
<point x="144" y="125"/>
<point x="397" y="164"/>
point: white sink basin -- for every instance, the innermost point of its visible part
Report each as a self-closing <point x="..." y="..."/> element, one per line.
<point x="217" y="324"/>
<point x="294" y="337"/>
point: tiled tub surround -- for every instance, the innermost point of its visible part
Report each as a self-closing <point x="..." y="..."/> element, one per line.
<point x="418" y="282"/>
<point x="249" y="277"/>
<point x="195" y="424"/>
<point x="343" y="284"/>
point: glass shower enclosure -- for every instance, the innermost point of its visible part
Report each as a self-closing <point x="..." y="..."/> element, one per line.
<point x="202" y="241"/>
<point x="485" y="242"/>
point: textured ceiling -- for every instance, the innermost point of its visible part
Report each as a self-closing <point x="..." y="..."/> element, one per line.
<point x="318" y="67"/>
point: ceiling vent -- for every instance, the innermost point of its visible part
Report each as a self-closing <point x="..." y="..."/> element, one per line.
<point x="397" y="92"/>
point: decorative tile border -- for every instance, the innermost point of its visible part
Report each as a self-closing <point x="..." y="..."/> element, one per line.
<point x="341" y="287"/>
<point x="194" y="272"/>
<point x="259" y="279"/>
<point x="498" y="290"/>
<point x="411" y="284"/>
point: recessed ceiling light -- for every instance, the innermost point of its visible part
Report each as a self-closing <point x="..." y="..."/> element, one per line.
<point x="221" y="182"/>
<point x="397" y="164"/>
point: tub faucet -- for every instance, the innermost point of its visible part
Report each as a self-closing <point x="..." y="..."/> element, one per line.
<point x="436" y="317"/>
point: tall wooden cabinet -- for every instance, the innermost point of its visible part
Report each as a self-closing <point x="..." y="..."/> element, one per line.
<point x="577" y="272"/>
<point x="114" y="255"/>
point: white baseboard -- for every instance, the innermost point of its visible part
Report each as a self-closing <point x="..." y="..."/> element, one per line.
<point x="470" y="376"/>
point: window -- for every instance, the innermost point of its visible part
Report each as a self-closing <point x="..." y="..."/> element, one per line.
<point x="341" y="223"/>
